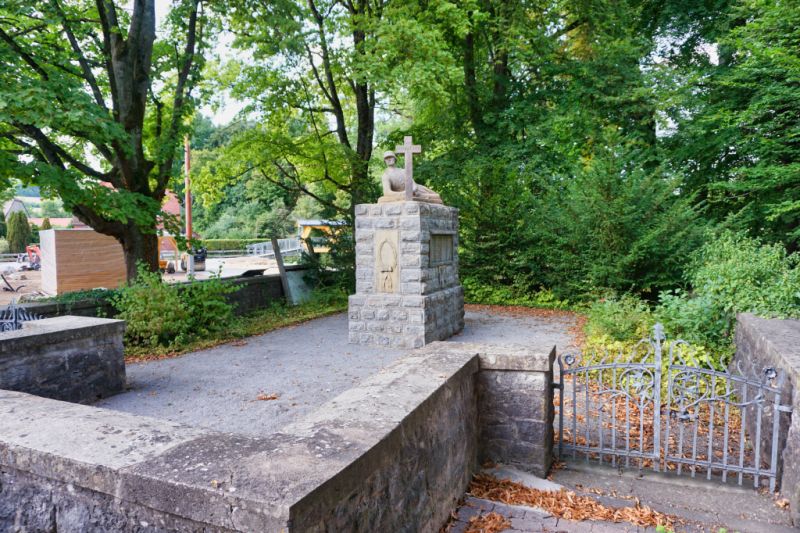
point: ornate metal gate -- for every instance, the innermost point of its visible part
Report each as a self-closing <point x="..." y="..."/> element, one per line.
<point x="12" y="317"/>
<point x="670" y="414"/>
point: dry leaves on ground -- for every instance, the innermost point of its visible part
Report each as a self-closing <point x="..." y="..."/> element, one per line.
<point x="488" y="523"/>
<point x="565" y="504"/>
<point x="267" y="397"/>
<point x="783" y="503"/>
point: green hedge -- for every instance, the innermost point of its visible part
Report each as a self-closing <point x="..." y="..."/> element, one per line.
<point x="229" y="244"/>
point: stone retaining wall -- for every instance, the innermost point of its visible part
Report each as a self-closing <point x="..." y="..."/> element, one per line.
<point x="77" y="359"/>
<point x="516" y="407"/>
<point x="394" y="453"/>
<point x="257" y="292"/>
<point x="769" y="342"/>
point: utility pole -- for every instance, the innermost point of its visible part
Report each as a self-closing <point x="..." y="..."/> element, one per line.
<point x="187" y="166"/>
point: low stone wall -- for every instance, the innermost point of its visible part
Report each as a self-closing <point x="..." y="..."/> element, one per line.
<point x="257" y="292"/>
<point x="768" y="342"/>
<point x="516" y="407"/>
<point x="77" y="359"/>
<point x="394" y="453"/>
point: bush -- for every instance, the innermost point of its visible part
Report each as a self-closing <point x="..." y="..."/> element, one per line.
<point x="229" y="244"/>
<point x="731" y="274"/>
<point x="159" y="314"/>
<point x="624" y="319"/>
<point x="46" y="224"/>
<point x="153" y="310"/>
<point x="19" y="232"/>
<point x="479" y="293"/>
<point x="3" y="246"/>
<point x="208" y="307"/>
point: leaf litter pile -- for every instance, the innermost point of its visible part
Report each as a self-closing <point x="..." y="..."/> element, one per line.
<point x="565" y="504"/>
<point x="488" y="523"/>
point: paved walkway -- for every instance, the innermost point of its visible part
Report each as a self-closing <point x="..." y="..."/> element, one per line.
<point x="304" y="365"/>
<point x="698" y="504"/>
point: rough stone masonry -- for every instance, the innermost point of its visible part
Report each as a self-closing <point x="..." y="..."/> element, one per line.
<point x="407" y="288"/>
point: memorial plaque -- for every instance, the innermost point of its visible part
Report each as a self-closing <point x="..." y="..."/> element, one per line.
<point x="441" y="249"/>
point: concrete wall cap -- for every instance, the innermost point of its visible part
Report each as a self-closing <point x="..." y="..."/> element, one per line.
<point x="56" y="329"/>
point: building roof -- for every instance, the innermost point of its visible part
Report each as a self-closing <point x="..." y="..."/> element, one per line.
<point x="14" y="205"/>
<point x="56" y="222"/>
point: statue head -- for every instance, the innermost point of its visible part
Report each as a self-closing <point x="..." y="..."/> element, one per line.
<point x="389" y="158"/>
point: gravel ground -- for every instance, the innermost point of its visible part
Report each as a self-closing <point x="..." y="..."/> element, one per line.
<point x="305" y="365"/>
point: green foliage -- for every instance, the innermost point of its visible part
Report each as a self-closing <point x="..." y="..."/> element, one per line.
<point x="19" y="232"/>
<point x="3" y="226"/>
<point x="625" y="318"/>
<point x="478" y="293"/>
<point x="731" y="274"/>
<point x="209" y="311"/>
<point x="229" y="244"/>
<point x="737" y="121"/>
<point x="160" y="314"/>
<point x="46" y="224"/>
<point x="153" y="311"/>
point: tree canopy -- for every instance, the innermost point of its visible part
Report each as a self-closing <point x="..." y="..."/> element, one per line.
<point x="589" y="144"/>
<point x="92" y="107"/>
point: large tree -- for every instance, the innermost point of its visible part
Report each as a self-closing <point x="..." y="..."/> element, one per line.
<point x="92" y="107"/>
<point x="318" y="74"/>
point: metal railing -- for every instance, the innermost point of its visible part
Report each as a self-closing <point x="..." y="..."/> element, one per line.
<point x="264" y="249"/>
<point x="12" y="317"/>
<point x="670" y="415"/>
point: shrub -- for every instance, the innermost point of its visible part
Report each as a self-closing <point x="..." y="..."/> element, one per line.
<point x="3" y="246"/>
<point x="160" y="314"/>
<point x="19" y="232"/>
<point x="480" y="293"/>
<point x="46" y="224"/>
<point x="730" y="274"/>
<point x="153" y="310"/>
<point x="229" y="244"/>
<point x="624" y="319"/>
<point x="208" y="308"/>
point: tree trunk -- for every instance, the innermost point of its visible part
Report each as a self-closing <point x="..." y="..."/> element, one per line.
<point x="138" y="247"/>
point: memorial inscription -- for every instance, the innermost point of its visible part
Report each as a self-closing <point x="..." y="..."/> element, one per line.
<point x="441" y="250"/>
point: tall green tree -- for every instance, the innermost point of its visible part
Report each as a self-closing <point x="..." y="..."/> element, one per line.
<point x="92" y="107"/>
<point x="19" y="232"/>
<point x="739" y="122"/>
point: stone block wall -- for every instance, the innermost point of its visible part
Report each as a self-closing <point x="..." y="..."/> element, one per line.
<point x="764" y="342"/>
<point x="70" y="358"/>
<point x="515" y="406"/>
<point x="407" y="288"/>
<point x="394" y="453"/>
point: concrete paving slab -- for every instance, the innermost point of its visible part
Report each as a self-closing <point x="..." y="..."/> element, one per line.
<point x="704" y="505"/>
<point x="304" y="365"/>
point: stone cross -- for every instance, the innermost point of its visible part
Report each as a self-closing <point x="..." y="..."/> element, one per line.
<point x="408" y="148"/>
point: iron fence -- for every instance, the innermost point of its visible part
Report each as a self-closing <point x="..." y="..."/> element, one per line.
<point x="670" y="414"/>
<point x="12" y="317"/>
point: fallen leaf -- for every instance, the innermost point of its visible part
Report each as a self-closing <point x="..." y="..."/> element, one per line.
<point x="783" y="503"/>
<point x="488" y="523"/>
<point x="267" y="397"/>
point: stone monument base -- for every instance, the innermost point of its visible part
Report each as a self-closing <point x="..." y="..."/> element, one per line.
<point x="406" y="321"/>
<point x="407" y="288"/>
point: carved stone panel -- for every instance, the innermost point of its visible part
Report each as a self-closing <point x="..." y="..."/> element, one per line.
<point x="387" y="269"/>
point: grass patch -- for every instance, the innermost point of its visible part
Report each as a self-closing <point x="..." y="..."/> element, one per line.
<point x="257" y="323"/>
